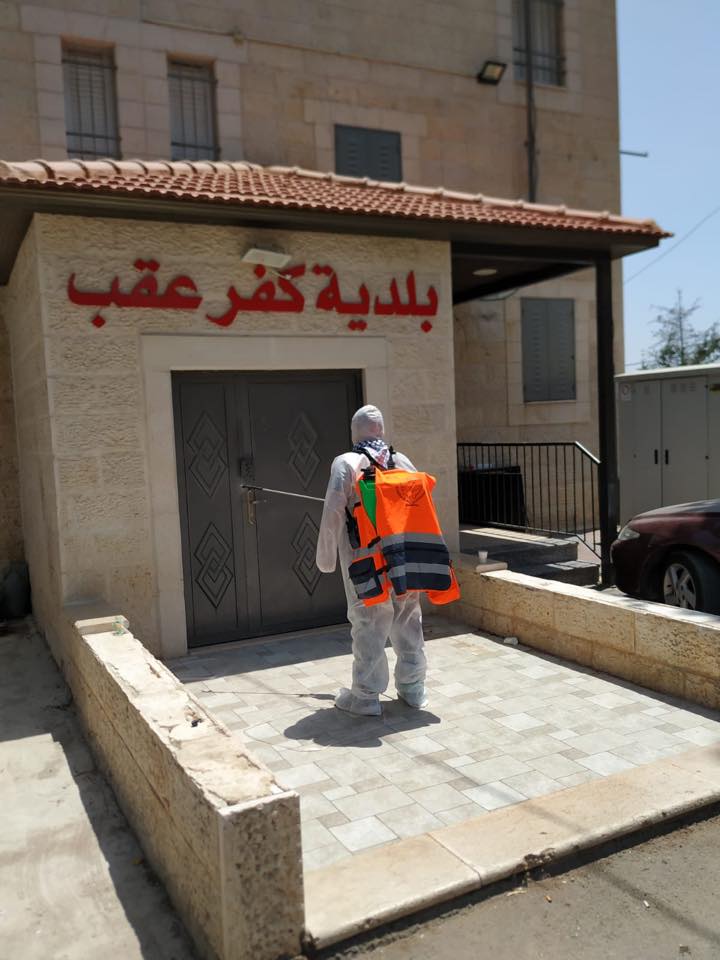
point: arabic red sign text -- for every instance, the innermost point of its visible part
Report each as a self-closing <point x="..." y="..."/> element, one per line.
<point x="279" y="293"/>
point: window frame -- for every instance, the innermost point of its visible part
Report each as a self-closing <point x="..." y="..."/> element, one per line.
<point x="372" y="132"/>
<point x="187" y="63"/>
<point x="72" y="57"/>
<point x="549" y="68"/>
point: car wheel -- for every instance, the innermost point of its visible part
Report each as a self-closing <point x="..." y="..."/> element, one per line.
<point x="691" y="581"/>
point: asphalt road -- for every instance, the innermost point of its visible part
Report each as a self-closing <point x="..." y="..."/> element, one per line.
<point x="655" y="901"/>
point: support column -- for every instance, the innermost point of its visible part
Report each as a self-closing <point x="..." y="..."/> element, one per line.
<point x="609" y="487"/>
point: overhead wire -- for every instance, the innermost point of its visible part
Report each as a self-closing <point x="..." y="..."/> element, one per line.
<point x="666" y="253"/>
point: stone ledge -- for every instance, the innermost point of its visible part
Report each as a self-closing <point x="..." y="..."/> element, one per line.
<point x="663" y="648"/>
<point x="373" y="888"/>
<point x="219" y="831"/>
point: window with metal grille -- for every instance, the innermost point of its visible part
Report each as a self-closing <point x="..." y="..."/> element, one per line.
<point x="90" y="103"/>
<point x="548" y="57"/>
<point x="548" y="349"/>
<point x="193" y="130"/>
<point x="368" y="153"/>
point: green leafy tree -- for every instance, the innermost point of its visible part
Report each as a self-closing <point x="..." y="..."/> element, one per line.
<point x="676" y="341"/>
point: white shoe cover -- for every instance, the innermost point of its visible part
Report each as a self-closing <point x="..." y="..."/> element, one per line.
<point x="347" y="701"/>
<point x="413" y="694"/>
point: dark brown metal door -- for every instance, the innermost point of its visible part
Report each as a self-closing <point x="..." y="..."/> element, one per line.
<point x="249" y="559"/>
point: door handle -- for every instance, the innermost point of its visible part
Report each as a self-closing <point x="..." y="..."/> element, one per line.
<point x="656" y="458"/>
<point x="667" y="457"/>
<point x="252" y="501"/>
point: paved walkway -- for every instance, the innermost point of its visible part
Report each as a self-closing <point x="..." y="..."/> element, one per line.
<point x="503" y="724"/>
<point x="73" y="879"/>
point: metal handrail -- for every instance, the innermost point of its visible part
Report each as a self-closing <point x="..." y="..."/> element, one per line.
<point x="550" y="487"/>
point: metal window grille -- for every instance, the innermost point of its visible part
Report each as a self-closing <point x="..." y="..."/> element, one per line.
<point x="548" y="57"/>
<point x="90" y="103"/>
<point x="360" y="152"/>
<point x="193" y="128"/>
<point x="548" y="349"/>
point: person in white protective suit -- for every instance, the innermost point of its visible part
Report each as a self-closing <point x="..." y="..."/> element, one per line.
<point x="398" y="618"/>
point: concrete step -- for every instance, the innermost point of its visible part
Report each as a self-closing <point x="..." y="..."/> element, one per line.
<point x="580" y="572"/>
<point x="517" y="548"/>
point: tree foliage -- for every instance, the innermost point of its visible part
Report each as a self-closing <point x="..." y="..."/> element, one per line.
<point x="676" y="342"/>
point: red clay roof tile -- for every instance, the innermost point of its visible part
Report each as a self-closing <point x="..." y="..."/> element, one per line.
<point x="247" y="184"/>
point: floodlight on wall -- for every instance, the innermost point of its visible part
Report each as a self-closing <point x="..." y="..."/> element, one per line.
<point x="275" y="259"/>
<point x="485" y="272"/>
<point x="492" y="72"/>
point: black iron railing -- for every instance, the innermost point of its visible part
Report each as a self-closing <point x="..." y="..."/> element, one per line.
<point x="545" y="487"/>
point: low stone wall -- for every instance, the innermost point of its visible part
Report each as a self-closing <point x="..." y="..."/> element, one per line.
<point x="220" y="833"/>
<point x="663" y="648"/>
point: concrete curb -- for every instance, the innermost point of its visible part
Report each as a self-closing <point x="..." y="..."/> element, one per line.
<point x="371" y="889"/>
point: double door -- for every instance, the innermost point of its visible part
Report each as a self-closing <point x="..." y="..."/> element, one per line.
<point x="664" y="442"/>
<point x="249" y="556"/>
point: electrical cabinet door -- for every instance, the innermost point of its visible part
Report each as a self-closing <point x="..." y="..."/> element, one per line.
<point x="684" y="440"/>
<point x="640" y="441"/>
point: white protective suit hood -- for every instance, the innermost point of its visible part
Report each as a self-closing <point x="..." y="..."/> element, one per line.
<point x="367" y="424"/>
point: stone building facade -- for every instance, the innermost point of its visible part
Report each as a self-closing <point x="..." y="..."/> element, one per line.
<point x="286" y="75"/>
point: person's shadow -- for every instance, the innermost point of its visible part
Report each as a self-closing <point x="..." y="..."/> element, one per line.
<point x="329" y="727"/>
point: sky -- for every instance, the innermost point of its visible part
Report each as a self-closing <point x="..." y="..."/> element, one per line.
<point x="669" y="63"/>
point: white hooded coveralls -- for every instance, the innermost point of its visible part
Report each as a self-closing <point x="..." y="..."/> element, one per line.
<point x="398" y="618"/>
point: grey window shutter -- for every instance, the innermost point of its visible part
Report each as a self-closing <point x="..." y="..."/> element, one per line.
<point x="368" y="153"/>
<point x="561" y="350"/>
<point x="548" y="349"/>
<point x="534" y="350"/>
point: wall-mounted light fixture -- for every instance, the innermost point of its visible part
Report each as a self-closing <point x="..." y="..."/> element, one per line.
<point x="275" y="259"/>
<point x="485" y="272"/>
<point x="492" y="72"/>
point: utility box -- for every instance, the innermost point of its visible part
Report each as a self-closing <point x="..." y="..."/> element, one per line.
<point x="668" y="437"/>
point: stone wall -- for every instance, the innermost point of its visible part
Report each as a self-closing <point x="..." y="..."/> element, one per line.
<point x="24" y="316"/>
<point x="11" y="539"/>
<point x="94" y="405"/>
<point x="287" y="73"/>
<point x="219" y="832"/>
<point x="663" y="648"/>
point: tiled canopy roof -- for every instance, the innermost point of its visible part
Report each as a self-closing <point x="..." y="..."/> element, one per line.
<point x="291" y="188"/>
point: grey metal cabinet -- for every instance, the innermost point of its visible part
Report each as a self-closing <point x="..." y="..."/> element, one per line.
<point x="668" y="437"/>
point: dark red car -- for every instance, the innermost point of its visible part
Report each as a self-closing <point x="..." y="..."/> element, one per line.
<point x="672" y="555"/>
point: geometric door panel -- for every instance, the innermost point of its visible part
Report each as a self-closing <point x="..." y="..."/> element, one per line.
<point x="249" y="559"/>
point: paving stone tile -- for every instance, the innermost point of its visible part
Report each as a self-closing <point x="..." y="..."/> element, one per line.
<point x="533" y="784"/>
<point x="410" y="821"/>
<point x="333" y="819"/>
<point x="372" y="802"/>
<point x="456" y="689"/>
<point x="461" y="761"/>
<point x="361" y="834"/>
<point x="458" y="814"/>
<point x="596" y="742"/>
<point x="325" y="855"/>
<point x="315" y="805"/>
<point x="492" y="796"/>
<point x="609" y="700"/>
<point x="520" y="722"/>
<point x="314" y="834"/>
<point x="337" y="792"/>
<point x="497" y="768"/>
<point x="419" y="746"/>
<point x="702" y="736"/>
<point x="575" y="779"/>
<point x="555" y="765"/>
<point x="605" y="763"/>
<point x="442" y="796"/>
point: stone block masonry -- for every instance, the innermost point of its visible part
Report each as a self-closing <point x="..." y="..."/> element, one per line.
<point x="213" y="823"/>
<point x="663" y="648"/>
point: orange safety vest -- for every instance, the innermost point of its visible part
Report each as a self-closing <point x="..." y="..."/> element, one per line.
<point x="405" y="550"/>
